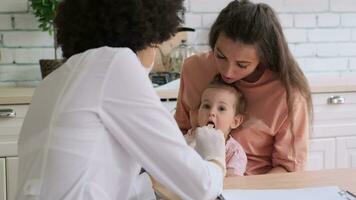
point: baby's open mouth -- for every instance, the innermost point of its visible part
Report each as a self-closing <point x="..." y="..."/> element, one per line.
<point x="211" y="124"/>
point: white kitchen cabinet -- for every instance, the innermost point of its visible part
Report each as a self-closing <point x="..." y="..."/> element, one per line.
<point x="334" y="120"/>
<point x="333" y="138"/>
<point x="2" y="179"/>
<point x="346" y="152"/>
<point x="321" y="154"/>
<point x="11" y="177"/>
<point x="9" y="131"/>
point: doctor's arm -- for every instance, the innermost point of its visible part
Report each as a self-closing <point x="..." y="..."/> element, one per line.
<point x="147" y="131"/>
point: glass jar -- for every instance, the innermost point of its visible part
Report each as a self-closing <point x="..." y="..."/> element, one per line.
<point x="179" y="54"/>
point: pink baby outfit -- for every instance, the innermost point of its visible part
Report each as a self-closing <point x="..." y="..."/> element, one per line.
<point x="236" y="159"/>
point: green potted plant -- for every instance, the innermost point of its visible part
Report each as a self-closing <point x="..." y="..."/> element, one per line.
<point x="45" y="11"/>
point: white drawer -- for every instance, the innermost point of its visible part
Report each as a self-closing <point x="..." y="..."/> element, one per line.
<point x="10" y="129"/>
<point x="334" y="119"/>
<point x="6" y="124"/>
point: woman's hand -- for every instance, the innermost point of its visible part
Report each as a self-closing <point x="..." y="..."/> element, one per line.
<point x="277" y="169"/>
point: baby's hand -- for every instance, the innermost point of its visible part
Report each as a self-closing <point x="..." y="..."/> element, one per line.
<point x="191" y="132"/>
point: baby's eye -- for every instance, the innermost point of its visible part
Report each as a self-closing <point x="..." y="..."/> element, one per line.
<point x="205" y="106"/>
<point x="221" y="108"/>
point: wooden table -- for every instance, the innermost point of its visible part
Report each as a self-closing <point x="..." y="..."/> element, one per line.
<point x="344" y="178"/>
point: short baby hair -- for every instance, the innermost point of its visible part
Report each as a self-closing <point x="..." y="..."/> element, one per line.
<point x="217" y="82"/>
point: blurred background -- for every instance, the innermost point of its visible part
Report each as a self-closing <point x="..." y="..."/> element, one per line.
<point x="320" y="33"/>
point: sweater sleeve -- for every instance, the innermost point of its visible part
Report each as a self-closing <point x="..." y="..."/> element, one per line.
<point x="291" y="141"/>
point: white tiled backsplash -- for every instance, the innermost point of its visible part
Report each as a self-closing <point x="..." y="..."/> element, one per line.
<point x="321" y="34"/>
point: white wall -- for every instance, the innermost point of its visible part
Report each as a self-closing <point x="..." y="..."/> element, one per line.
<point x="321" y="34"/>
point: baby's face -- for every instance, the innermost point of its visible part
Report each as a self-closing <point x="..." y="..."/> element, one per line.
<point x="218" y="108"/>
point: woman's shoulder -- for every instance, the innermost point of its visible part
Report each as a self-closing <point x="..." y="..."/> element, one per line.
<point x="199" y="67"/>
<point x="198" y="70"/>
<point x="200" y="61"/>
<point x="204" y="56"/>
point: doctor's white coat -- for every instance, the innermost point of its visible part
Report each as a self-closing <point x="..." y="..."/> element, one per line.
<point x="93" y="123"/>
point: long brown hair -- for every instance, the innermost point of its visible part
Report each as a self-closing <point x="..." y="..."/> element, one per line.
<point x="258" y="25"/>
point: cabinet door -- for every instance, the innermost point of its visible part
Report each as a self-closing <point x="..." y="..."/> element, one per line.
<point x="2" y="179"/>
<point x="346" y="152"/>
<point x="11" y="177"/>
<point x="334" y="115"/>
<point x="321" y="154"/>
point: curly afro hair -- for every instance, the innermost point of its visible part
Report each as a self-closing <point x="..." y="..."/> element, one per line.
<point x="136" y="24"/>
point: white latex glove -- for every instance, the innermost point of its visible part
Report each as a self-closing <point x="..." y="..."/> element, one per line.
<point x="210" y="144"/>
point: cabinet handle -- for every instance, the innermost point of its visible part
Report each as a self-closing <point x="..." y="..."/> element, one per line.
<point x="7" y="113"/>
<point x="333" y="100"/>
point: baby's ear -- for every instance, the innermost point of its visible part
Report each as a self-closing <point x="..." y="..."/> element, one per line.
<point x="238" y="119"/>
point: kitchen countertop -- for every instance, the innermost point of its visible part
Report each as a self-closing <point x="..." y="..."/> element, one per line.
<point x="319" y="83"/>
<point x="15" y="95"/>
<point x="332" y="82"/>
<point x="23" y="95"/>
<point x="344" y="178"/>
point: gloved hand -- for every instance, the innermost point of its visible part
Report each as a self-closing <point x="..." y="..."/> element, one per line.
<point x="210" y="144"/>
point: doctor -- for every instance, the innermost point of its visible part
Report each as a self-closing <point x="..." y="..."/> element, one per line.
<point x="95" y="121"/>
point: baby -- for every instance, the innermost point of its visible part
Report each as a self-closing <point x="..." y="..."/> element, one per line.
<point x="222" y="107"/>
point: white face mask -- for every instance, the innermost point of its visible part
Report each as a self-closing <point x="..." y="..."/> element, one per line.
<point x="149" y="69"/>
